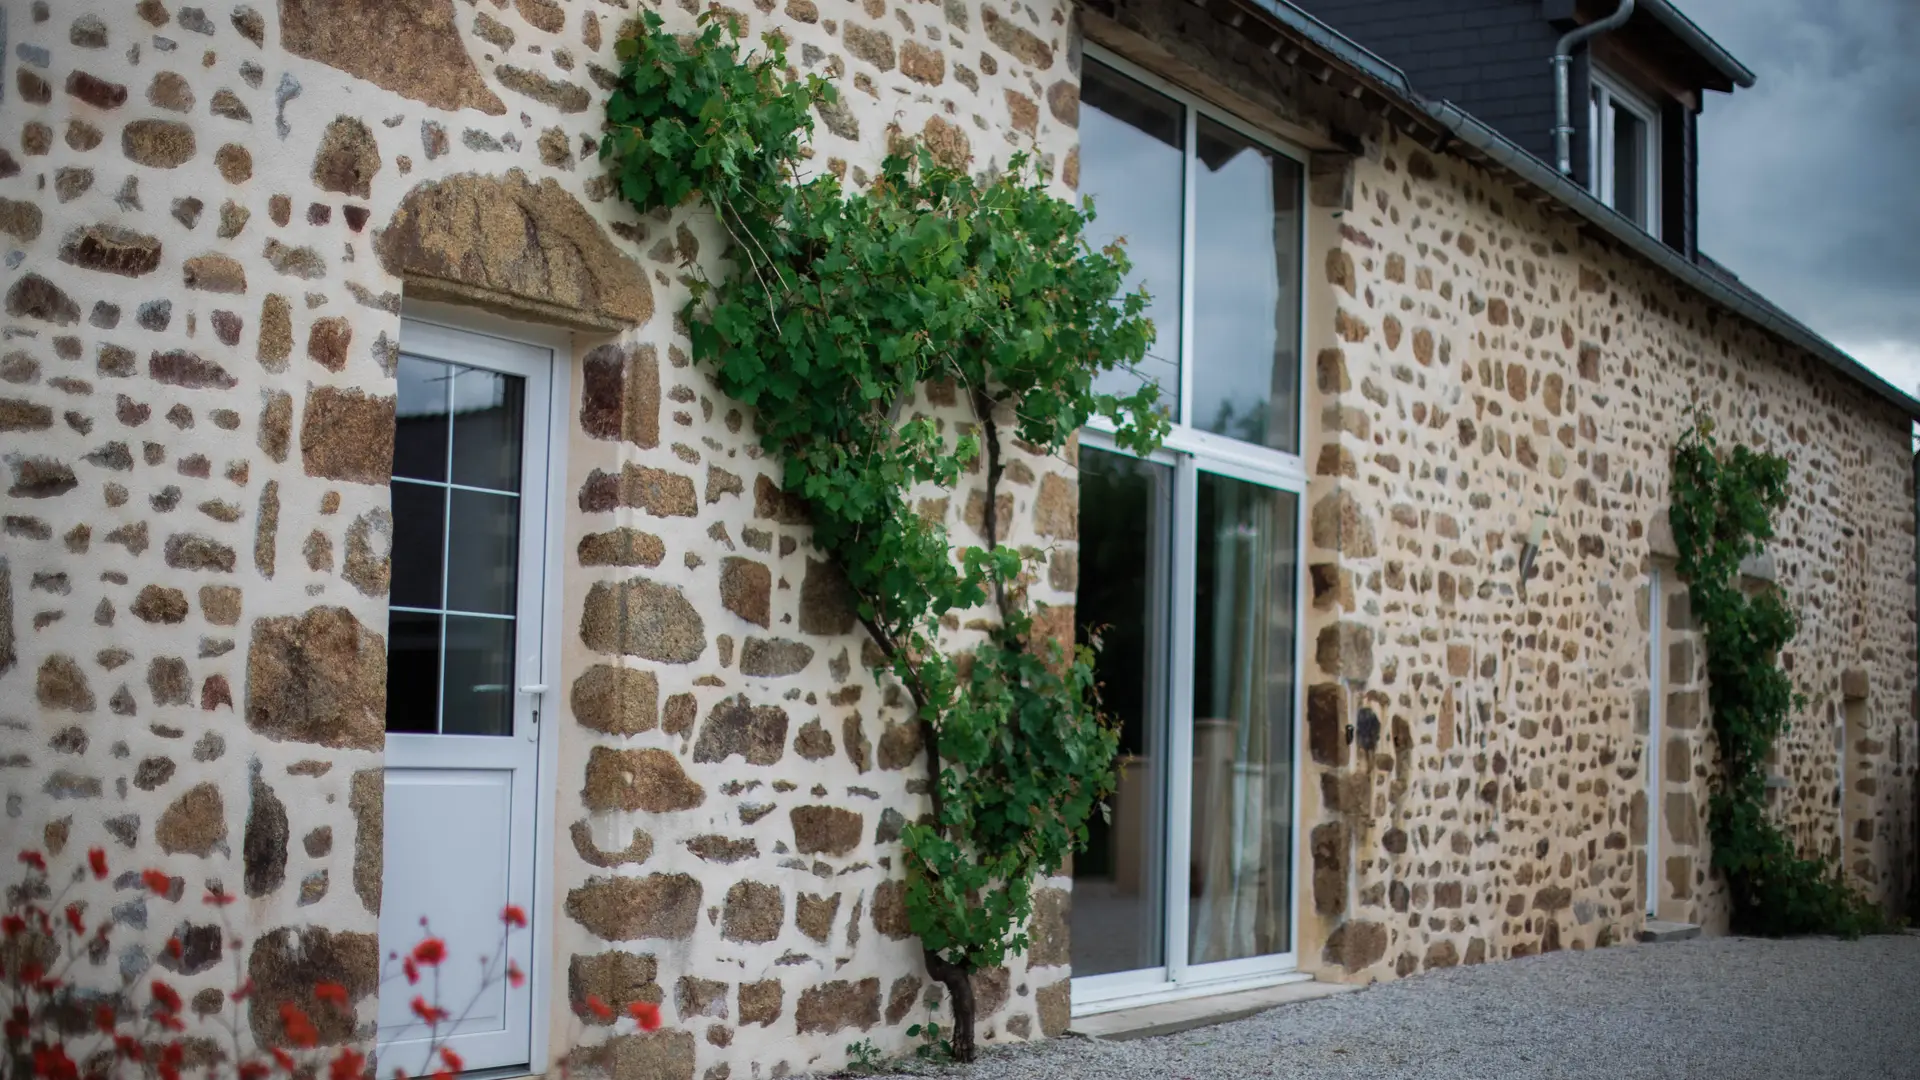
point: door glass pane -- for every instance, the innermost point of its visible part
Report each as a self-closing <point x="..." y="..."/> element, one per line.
<point x="1246" y="299"/>
<point x="1132" y="164"/>
<point x="1629" y="165"/>
<point x="419" y="538"/>
<point x="456" y="551"/>
<point x="1243" y="695"/>
<point x="413" y="672"/>
<point x="483" y="546"/>
<point x="479" y="690"/>
<point x="420" y="420"/>
<point x="486" y="429"/>
<point x="1118" y="882"/>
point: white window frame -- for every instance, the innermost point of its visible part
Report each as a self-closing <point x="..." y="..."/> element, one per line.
<point x="1608" y="92"/>
<point x="1190" y="452"/>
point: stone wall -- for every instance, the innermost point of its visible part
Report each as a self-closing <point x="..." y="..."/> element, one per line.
<point x="1478" y="363"/>
<point x="212" y="215"/>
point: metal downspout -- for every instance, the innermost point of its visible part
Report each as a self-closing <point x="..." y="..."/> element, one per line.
<point x="1562" y="57"/>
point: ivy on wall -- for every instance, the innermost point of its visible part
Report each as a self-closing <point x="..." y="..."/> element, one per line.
<point x="837" y="307"/>
<point x="1722" y="513"/>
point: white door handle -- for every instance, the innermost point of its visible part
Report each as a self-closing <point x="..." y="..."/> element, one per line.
<point x="534" y="688"/>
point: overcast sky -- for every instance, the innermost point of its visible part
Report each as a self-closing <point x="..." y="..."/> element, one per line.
<point x="1810" y="181"/>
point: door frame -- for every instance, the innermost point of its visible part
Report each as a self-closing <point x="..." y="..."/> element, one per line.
<point x="1656" y="717"/>
<point x="1192" y="451"/>
<point x="541" y="922"/>
<point x="1176" y="977"/>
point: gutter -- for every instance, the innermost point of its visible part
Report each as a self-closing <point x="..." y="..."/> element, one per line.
<point x="1393" y="84"/>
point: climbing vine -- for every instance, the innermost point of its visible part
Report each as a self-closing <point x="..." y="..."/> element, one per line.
<point x="1722" y="513"/>
<point x="838" y="307"/>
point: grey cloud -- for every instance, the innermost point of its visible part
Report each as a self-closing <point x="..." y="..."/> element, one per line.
<point x="1807" y="180"/>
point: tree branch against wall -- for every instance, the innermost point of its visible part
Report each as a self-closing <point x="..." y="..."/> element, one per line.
<point x="838" y="306"/>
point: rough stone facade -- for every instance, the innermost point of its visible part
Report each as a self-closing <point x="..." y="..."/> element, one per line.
<point x="1476" y="362"/>
<point x="212" y="216"/>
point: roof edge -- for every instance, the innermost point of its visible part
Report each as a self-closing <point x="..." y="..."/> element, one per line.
<point x="1509" y="155"/>
<point x="1693" y="37"/>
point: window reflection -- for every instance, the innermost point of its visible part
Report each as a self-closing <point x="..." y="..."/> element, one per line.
<point x="1132" y="164"/>
<point x="1241" y="880"/>
<point x="1118" y="882"/>
<point x="1246" y="300"/>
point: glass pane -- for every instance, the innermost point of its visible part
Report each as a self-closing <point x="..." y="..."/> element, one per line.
<point x="479" y="672"/>
<point x="1246" y="281"/>
<point x="1118" y="882"/>
<point x="419" y="525"/>
<point x="486" y="428"/>
<point x="1242" y="721"/>
<point x="1132" y="164"/>
<point x="483" y="552"/>
<point x="420" y="420"/>
<point x="1629" y="165"/>
<point x="413" y="672"/>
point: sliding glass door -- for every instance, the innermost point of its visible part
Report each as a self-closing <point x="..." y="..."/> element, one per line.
<point x="1189" y="561"/>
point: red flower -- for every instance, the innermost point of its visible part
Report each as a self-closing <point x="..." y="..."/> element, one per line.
<point x="432" y="1014"/>
<point x="171" y="1056"/>
<point x="74" y="920"/>
<point x="646" y="1014"/>
<point x="331" y="992"/>
<point x="430" y="951"/>
<point x="514" y="915"/>
<point x="167" y="996"/>
<point x="245" y="991"/>
<point x="35" y="860"/>
<point x="515" y="975"/>
<point x="220" y="897"/>
<point x="12" y="924"/>
<point x="452" y="1059"/>
<point x="174" y="948"/>
<point x="283" y="1059"/>
<point x="103" y="1019"/>
<point x="300" y="1030"/>
<point x="254" y="1070"/>
<point x="129" y="1047"/>
<point x="97" y="859"/>
<point x="348" y="1064"/>
<point x="599" y="1008"/>
<point x="157" y="881"/>
<point x="442" y="1074"/>
<point x="52" y="1063"/>
<point x="412" y="972"/>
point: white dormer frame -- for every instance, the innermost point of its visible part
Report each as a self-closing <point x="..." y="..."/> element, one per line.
<point x="1607" y="95"/>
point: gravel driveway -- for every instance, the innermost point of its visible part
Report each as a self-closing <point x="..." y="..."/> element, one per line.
<point x="1709" y="1008"/>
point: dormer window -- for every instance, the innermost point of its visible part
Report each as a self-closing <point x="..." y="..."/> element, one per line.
<point x="1623" y="149"/>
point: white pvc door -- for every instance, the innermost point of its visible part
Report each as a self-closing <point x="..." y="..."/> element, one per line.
<point x="463" y="685"/>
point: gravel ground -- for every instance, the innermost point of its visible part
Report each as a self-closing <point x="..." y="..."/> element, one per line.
<point x="1709" y="1008"/>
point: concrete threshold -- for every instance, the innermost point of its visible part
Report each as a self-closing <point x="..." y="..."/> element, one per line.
<point x="1170" y="1017"/>
<point x="1657" y="930"/>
